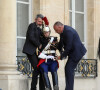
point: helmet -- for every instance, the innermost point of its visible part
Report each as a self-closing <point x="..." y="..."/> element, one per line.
<point x="46" y="25"/>
<point x="46" y="29"/>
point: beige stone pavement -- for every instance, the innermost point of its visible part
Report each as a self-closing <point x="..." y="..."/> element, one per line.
<point x="61" y="83"/>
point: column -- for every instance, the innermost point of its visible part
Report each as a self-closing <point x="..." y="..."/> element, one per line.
<point x="10" y="78"/>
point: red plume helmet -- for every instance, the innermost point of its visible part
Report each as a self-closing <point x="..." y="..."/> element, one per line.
<point x="46" y="21"/>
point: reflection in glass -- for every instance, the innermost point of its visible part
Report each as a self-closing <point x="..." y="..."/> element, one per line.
<point x="79" y="5"/>
<point x="70" y="17"/>
<point x="22" y="19"/>
<point x="70" y="4"/>
<point x="79" y="25"/>
<point x="20" y="44"/>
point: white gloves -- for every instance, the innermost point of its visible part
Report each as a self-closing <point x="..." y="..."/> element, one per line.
<point x="49" y="57"/>
<point x="43" y="56"/>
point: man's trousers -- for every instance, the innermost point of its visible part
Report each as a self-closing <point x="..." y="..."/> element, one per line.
<point x="34" y="61"/>
<point x="69" y="73"/>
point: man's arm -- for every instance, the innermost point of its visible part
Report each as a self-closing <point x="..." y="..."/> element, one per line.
<point x="31" y="35"/>
<point x="68" y="40"/>
<point x="60" y="45"/>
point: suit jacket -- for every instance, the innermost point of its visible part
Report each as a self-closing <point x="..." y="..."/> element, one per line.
<point x="70" y="41"/>
<point x="32" y="39"/>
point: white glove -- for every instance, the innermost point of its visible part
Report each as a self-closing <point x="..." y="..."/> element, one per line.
<point x="42" y="55"/>
<point x="50" y="57"/>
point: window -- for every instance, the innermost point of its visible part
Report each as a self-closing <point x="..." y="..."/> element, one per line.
<point x="77" y="14"/>
<point x="23" y="19"/>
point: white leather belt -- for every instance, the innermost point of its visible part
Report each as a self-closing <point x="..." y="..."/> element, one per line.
<point x="49" y="51"/>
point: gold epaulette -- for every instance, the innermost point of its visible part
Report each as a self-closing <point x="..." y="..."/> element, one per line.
<point x="37" y="51"/>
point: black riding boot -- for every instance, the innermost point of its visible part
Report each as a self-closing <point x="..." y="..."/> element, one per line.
<point x="55" y="80"/>
<point x="46" y="81"/>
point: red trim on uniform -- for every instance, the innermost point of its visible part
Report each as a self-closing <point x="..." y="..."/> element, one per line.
<point x="43" y="60"/>
<point x="58" y="63"/>
<point x="40" y="62"/>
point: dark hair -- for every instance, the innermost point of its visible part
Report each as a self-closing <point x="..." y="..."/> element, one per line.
<point x="58" y="23"/>
<point x="39" y="16"/>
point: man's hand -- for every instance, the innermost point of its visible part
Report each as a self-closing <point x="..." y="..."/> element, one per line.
<point x="58" y="58"/>
<point x="40" y="46"/>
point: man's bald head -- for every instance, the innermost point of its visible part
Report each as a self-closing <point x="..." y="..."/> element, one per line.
<point x="58" y="27"/>
<point x="58" y="24"/>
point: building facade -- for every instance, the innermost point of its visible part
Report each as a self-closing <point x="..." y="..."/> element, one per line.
<point x="15" y="16"/>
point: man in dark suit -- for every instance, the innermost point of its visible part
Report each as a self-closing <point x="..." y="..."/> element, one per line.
<point x="32" y="42"/>
<point x="73" y="48"/>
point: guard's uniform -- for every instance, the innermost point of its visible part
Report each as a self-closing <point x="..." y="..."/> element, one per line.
<point x="49" y="64"/>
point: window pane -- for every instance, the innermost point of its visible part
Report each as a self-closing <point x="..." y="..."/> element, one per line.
<point x="70" y="17"/>
<point x="24" y="0"/>
<point x="70" y="4"/>
<point x="79" y="25"/>
<point x="22" y="19"/>
<point x="79" y="5"/>
<point x="20" y="43"/>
